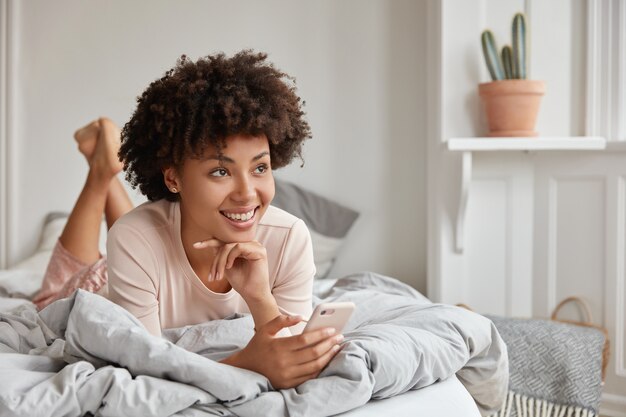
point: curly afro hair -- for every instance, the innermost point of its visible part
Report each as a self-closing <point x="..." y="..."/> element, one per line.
<point x="200" y="104"/>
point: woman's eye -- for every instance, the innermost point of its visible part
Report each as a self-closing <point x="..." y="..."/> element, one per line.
<point x="220" y="172"/>
<point x="261" y="169"/>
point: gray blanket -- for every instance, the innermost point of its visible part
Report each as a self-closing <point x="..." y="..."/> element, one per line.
<point x="84" y="355"/>
<point x="552" y="363"/>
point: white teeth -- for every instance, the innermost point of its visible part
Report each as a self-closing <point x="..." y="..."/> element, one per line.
<point x="240" y="216"/>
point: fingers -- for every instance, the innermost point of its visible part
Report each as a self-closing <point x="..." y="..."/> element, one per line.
<point x="285" y="366"/>
<point x="311" y="353"/>
<point x="233" y="254"/>
<point x="231" y="250"/>
<point x="320" y="363"/>
<point x="298" y="374"/>
<point x="209" y="243"/>
<point x="315" y="366"/>
<point x="217" y="269"/>
<point x="228" y="253"/>
<point x="304" y="340"/>
<point x="275" y="325"/>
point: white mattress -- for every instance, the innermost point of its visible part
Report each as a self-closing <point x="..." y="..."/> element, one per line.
<point x="444" y="399"/>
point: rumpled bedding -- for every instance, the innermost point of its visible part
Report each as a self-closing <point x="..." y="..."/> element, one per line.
<point x="85" y="355"/>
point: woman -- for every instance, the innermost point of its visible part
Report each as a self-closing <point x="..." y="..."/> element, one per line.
<point x="201" y="146"/>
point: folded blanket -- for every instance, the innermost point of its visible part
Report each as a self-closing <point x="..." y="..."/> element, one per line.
<point x="555" y="368"/>
<point x="84" y="355"/>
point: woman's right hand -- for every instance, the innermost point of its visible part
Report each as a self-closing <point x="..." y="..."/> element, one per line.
<point x="287" y="361"/>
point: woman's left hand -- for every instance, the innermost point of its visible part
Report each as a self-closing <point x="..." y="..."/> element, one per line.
<point x="243" y="264"/>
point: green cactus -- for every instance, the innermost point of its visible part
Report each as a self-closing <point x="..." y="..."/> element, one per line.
<point x="519" y="46"/>
<point x="492" y="58"/>
<point x="507" y="61"/>
<point x="512" y="63"/>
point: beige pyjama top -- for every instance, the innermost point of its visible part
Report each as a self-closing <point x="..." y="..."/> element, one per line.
<point x="150" y="276"/>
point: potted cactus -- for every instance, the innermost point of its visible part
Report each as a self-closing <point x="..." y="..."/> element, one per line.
<point x="511" y="101"/>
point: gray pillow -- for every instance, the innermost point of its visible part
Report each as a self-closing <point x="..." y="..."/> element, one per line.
<point x="328" y="222"/>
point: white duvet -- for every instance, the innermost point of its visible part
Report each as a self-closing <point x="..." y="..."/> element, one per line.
<point x="84" y="354"/>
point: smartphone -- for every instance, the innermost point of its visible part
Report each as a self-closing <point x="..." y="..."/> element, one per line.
<point x="330" y="315"/>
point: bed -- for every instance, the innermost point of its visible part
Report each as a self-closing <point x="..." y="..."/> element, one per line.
<point x="471" y="379"/>
<point x="445" y="398"/>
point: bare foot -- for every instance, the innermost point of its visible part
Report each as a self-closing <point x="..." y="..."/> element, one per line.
<point x="86" y="137"/>
<point x="104" y="161"/>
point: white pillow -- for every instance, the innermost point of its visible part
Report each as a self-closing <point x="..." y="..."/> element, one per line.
<point x="52" y="228"/>
<point x="38" y="261"/>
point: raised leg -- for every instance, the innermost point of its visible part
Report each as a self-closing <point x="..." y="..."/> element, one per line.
<point x="102" y="193"/>
<point x="118" y="203"/>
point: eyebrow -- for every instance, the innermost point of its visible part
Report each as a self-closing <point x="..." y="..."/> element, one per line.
<point x="232" y="161"/>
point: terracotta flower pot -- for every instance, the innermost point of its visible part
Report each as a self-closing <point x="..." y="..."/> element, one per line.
<point x="512" y="106"/>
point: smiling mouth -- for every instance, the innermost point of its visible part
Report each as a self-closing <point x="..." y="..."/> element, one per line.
<point x="240" y="217"/>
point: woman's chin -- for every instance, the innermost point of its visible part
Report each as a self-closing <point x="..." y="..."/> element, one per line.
<point x="238" y="237"/>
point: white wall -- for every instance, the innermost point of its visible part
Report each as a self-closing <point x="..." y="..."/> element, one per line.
<point x="359" y="65"/>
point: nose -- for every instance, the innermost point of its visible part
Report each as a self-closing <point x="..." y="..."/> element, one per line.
<point x="244" y="191"/>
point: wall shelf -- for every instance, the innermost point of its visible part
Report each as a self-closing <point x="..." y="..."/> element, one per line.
<point x="527" y="144"/>
<point x="492" y="144"/>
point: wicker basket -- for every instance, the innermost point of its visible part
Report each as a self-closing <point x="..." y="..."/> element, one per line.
<point x="588" y="322"/>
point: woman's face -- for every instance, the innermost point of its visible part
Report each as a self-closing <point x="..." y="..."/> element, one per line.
<point x="225" y="197"/>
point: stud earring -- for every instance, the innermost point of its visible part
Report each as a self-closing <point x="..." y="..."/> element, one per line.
<point x="174" y="189"/>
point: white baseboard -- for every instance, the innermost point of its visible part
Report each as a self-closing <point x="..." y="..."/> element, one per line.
<point x="613" y="405"/>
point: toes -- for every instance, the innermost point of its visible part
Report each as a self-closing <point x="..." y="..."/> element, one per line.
<point x="89" y="131"/>
<point x="86" y="138"/>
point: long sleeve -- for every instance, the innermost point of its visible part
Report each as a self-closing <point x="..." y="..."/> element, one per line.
<point x="133" y="272"/>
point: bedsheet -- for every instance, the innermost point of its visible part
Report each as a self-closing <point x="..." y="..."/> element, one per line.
<point x="447" y="398"/>
<point x="84" y="354"/>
